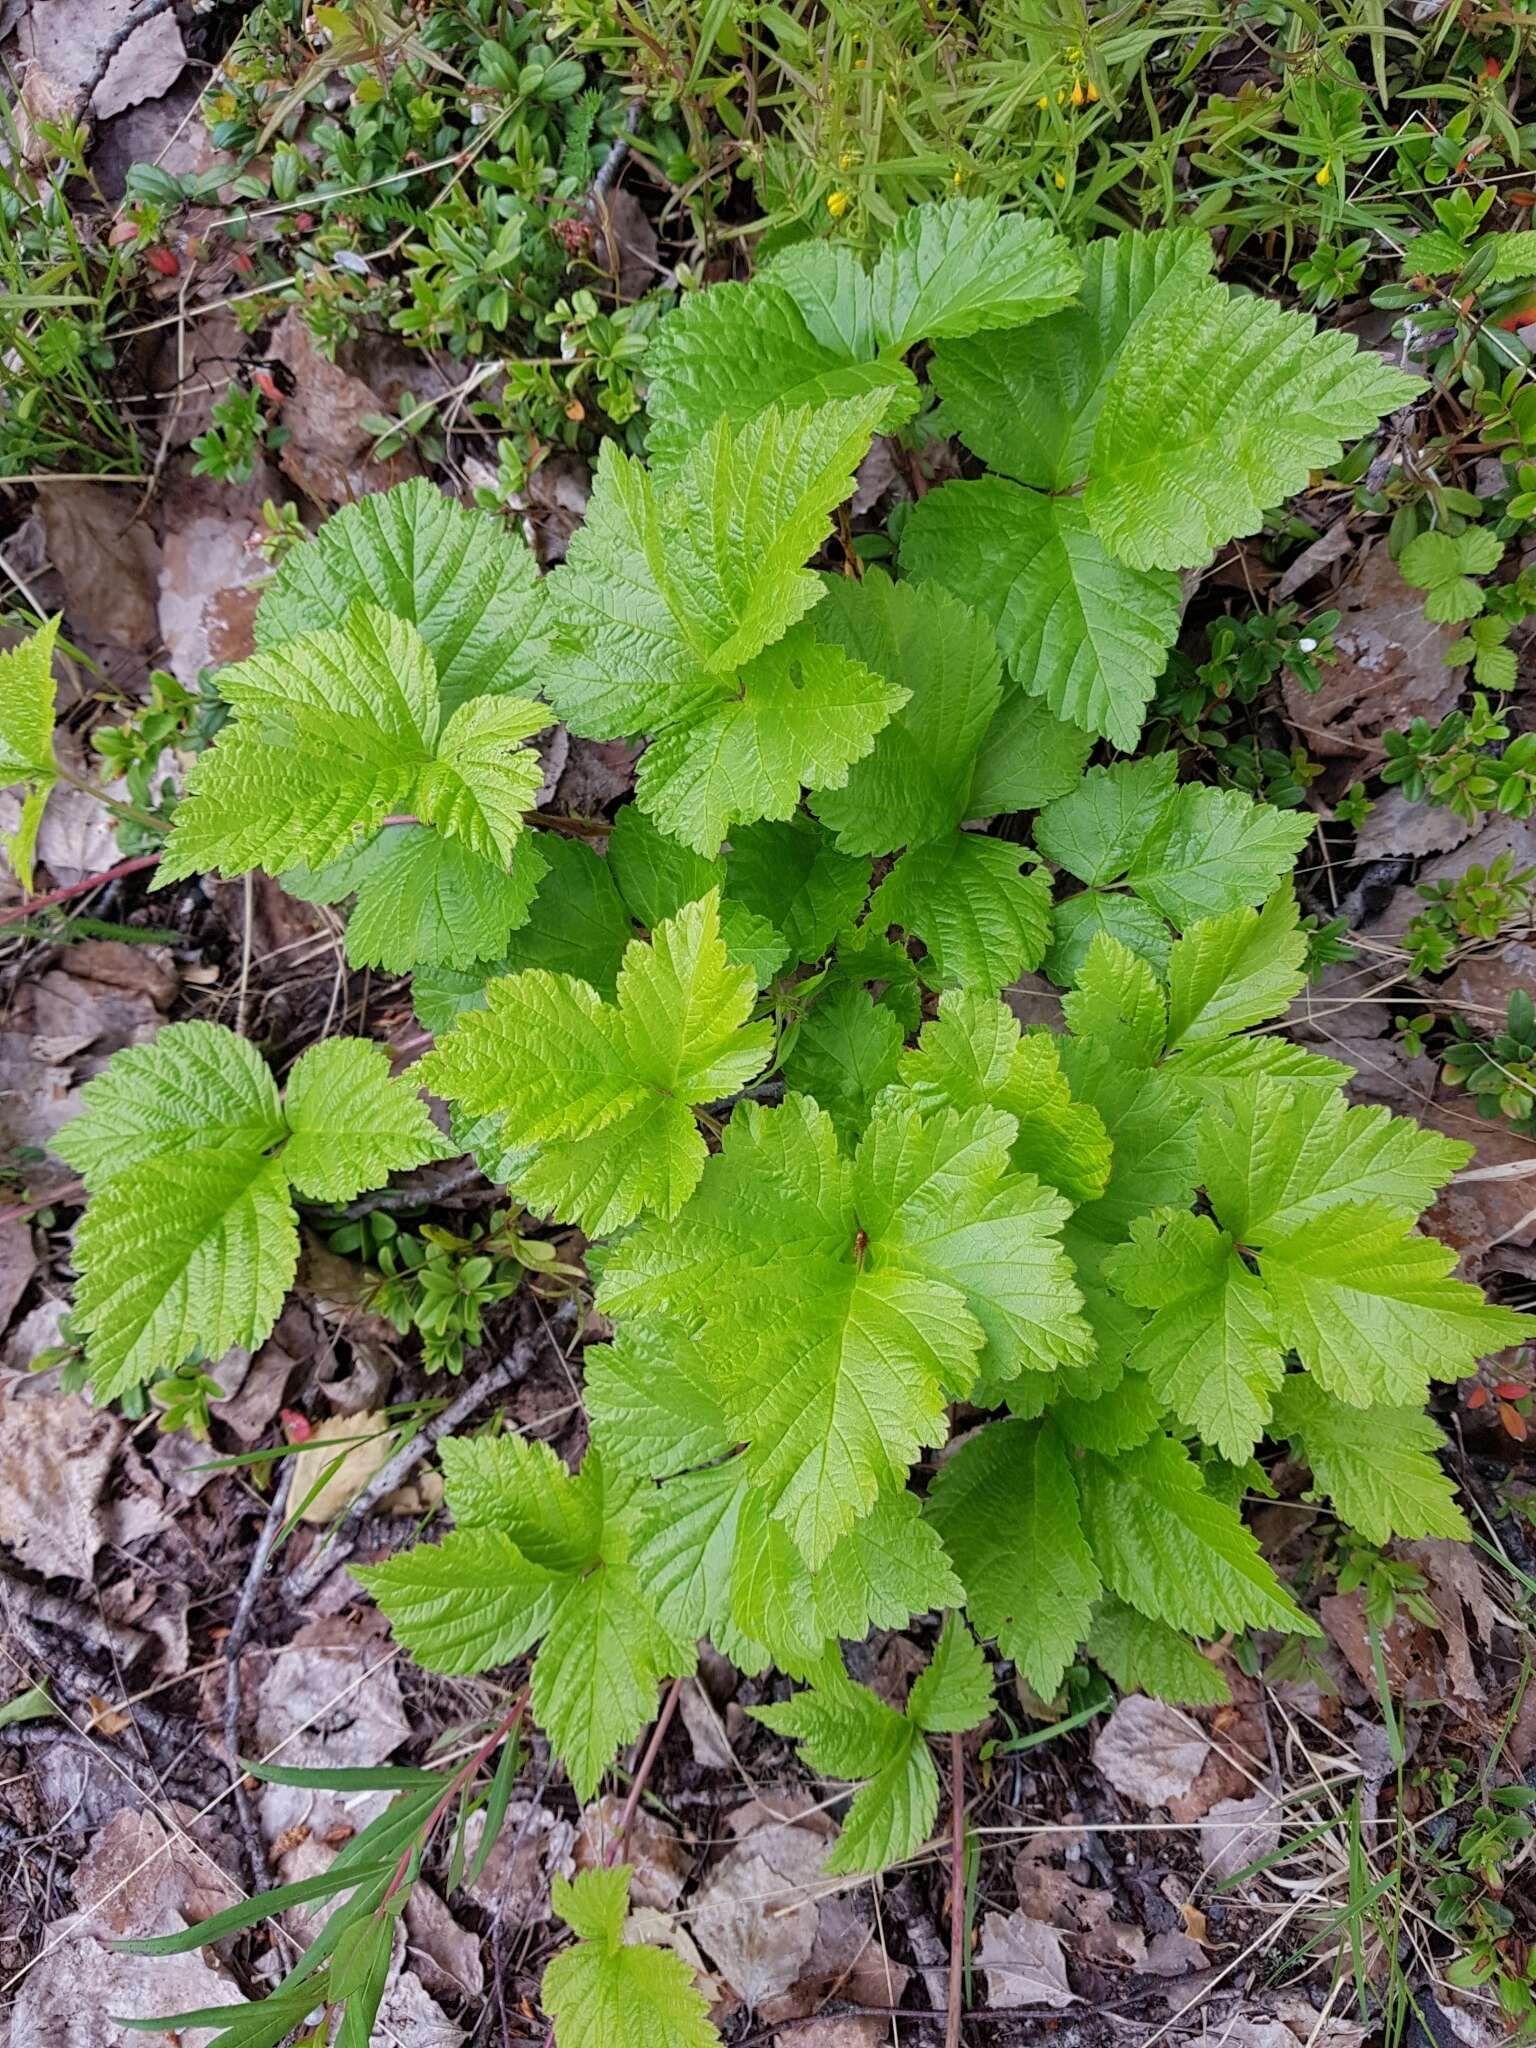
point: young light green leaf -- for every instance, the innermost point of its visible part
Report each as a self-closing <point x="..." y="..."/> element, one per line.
<point x="1226" y="973"/>
<point x="352" y="1125"/>
<point x="1443" y="565"/>
<point x="965" y="268"/>
<point x="599" y="1095"/>
<point x="609" y="1993"/>
<point x="26" y="738"/>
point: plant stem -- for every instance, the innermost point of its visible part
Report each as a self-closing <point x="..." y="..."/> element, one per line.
<point x="618" y="1851"/>
<point x="115" y="805"/>
<point x="34" y="903"/>
<point x="451" y="1790"/>
<point x="956" y="1889"/>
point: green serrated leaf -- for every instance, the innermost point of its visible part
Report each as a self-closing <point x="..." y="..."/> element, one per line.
<point x="26" y="738"/>
<point x="978" y="905"/>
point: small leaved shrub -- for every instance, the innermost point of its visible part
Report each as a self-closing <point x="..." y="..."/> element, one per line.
<point x="911" y="1309"/>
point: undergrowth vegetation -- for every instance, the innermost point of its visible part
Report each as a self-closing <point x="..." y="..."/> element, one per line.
<point x="900" y="1313"/>
<point x="910" y="1310"/>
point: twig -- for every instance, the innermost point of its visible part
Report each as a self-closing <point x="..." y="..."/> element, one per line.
<point x="234" y="1643"/>
<point x="124" y="867"/>
<point x="956" y="1891"/>
<point x="70" y="1618"/>
<point x="507" y="1372"/>
<point x="459" y="1173"/>
<point x="618" y="1849"/>
<point x="611" y="165"/>
<point x="147" y="11"/>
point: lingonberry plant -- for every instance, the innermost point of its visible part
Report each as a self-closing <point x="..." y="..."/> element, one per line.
<point x="912" y="1310"/>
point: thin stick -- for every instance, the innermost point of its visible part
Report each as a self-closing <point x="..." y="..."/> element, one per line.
<point x="234" y="1643"/>
<point x="124" y="867"/>
<point x="517" y="1364"/>
<point x="618" y="1851"/>
<point x="956" y="1891"/>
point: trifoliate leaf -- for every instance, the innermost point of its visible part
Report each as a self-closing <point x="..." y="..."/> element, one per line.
<point x="843" y="1054"/>
<point x="972" y="1055"/>
<point x="845" y="1731"/>
<point x="600" y="1092"/>
<point x="26" y="738"/>
<point x="1027" y="402"/>
<point x="1076" y="626"/>
<point x="1209" y="1351"/>
<point x="1366" y="1304"/>
<point x="1229" y="972"/>
<point x="853" y="1297"/>
<point x="983" y="914"/>
<point x="1172" y="1551"/>
<point x="1091" y="918"/>
<point x="1279" y="1155"/>
<point x="470" y="588"/>
<point x="352" y="1125"/>
<point x="189" y="1241"/>
<point x="1382" y="1475"/>
<point x="664" y="596"/>
<point x="547" y="1555"/>
<point x="734" y="350"/>
<point x="1220" y="405"/>
<point x="194" y="1088"/>
<point x="791" y="876"/>
<point x="796" y="715"/>
<point x="1443" y="565"/>
<point x="609" y="1993"/>
<point x="1143" y="1655"/>
<point x="1006" y="1506"/>
<point x="332" y="733"/>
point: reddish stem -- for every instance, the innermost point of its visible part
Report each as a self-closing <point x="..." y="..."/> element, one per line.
<point x="451" y="1791"/>
<point x="124" y="867"/>
<point x="618" y="1850"/>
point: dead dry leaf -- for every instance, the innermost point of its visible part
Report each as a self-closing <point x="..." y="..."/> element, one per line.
<point x="67" y="1996"/>
<point x="757" y="1913"/>
<point x="533" y="1848"/>
<point x="67" y="37"/>
<point x="327" y="452"/>
<point x="409" y="2017"/>
<point x="1149" y="1752"/>
<point x="18" y="1264"/>
<point x="348" y="1450"/>
<point x="330" y="1698"/>
<point x="106" y="557"/>
<point x="1391" y="666"/>
<point x="56" y="1452"/>
<point x="446" y="1956"/>
<point x="1024" y="1962"/>
<point x="1237" y="1832"/>
<point x="655" y="1852"/>
<point x="139" y="1877"/>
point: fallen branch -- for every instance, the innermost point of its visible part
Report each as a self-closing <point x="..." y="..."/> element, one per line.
<point x="618" y="1848"/>
<point x="135" y="866"/>
<point x="234" y="1644"/>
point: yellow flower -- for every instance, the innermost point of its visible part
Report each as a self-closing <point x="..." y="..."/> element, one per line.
<point x="957" y="178"/>
<point x="1044" y="100"/>
<point x="837" y="204"/>
<point x="1093" y="90"/>
<point x="1325" y="175"/>
<point x="1060" y="181"/>
<point x="844" y="160"/>
<point x="1078" y="94"/>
